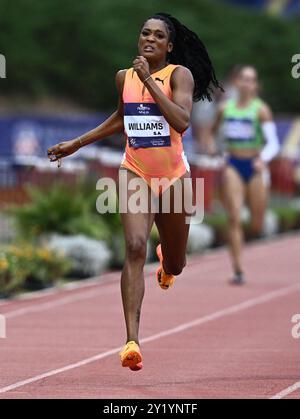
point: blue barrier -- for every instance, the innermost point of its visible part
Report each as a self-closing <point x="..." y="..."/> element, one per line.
<point x="32" y="136"/>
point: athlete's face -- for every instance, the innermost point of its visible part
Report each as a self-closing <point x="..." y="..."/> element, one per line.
<point x="154" y="40"/>
<point x="247" y="82"/>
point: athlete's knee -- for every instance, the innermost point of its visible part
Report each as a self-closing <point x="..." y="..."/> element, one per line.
<point x="175" y="267"/>
<point x="136" y="248"/>
<point x="234" y="219"/>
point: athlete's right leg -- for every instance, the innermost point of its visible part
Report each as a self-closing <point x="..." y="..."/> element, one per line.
<point x="173" y="226"/>
<point x="233" y="195"/>
<point x="137" y="227"/>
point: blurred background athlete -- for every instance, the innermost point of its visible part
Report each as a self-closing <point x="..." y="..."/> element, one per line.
<point x="252" y="142"/>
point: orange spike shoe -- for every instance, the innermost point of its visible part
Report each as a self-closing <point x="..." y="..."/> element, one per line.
<point x="131" y="356"/>
<point x="165" y="281"/>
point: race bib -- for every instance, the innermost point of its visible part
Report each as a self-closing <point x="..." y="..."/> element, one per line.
<point x="239" y="129"/>
<point x="145" y="126"/>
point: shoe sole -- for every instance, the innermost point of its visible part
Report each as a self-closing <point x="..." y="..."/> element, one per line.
<point x="158" y="271"/>
<point x="137" y="367"/>
<point x="237" y="283"/>
<point x="132" y="359"/>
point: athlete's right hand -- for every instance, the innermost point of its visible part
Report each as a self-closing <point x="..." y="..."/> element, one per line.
<point x="141" y="66"/>
<point x="63" y="149"/>
<point x="259" y="165"/>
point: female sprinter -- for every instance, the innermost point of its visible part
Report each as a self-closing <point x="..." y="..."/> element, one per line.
<point x="172" y="69"/>
<point x="252" y="142"/>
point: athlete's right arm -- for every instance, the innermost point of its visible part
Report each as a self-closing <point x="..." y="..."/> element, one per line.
<point x="112" y="125"/>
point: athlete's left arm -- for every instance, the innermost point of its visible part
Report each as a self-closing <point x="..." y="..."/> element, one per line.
<point x="272" y="146"/>
<point x="178" y="110"/>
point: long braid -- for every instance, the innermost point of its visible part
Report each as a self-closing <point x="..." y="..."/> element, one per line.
<point x="189" y="51"/>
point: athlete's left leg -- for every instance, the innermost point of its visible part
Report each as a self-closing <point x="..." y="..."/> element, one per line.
<point x="137" y="227"/>
<point x="173" y="227"/>
<point x="257" y="196"/>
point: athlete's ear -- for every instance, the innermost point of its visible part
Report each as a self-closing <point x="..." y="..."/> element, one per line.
<point x="170" y="47"/>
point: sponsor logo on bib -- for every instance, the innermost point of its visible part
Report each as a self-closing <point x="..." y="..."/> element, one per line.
<point x="239" y="129"/>
<point x="145" y="126"/>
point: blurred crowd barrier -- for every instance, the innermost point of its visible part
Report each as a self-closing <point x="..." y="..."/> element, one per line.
<point x="23" y="157"/>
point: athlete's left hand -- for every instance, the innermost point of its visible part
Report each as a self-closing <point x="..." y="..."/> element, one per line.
<point x="141" y="66"/>
<point x="258" y="165"/>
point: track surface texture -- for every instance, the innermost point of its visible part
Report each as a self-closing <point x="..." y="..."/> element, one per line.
<point x="203" y="338"/>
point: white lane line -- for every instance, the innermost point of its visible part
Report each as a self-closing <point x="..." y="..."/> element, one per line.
<point x="60" y="288"/>
<point x="110" y="277"/>
<point x="286" y="391"/>
<point x="95" y="282"/>
<point x="59" y="370"/>
<point x="185" y="326"/>
<point x="57" y="303"/>
<point x="106" y="277"/>
<point x="84" y="295"/>
<point x="227" y="311"/>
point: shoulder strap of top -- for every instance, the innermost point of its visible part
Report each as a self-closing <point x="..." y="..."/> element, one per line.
<point x="229" y="105"/>
<point x="171" y="67"/>
<point x="168" y="70"/>
<point x="256" y="104"/>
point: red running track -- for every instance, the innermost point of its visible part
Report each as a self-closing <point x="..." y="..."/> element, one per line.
<point x="201" y="339"/>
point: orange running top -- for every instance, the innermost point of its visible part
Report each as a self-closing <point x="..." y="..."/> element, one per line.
<point x="153" y="148"/>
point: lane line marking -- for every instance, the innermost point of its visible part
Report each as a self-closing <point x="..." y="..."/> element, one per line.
<point x="110" y="277"/>
<point x="56" y="303"/>
<point x="286" y="391"/>
<point x="111" y="287"/>
<point x="101" y="280"/>
<point x="168" y="332"/>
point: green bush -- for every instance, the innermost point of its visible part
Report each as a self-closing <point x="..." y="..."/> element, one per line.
<point x="24" y="266"/>
<point x="73" y="48"/>
<point x="68" y="211"/>
<point x="60" y="209"/>
<point x="219" y="223"/>
<point x="289" y="218"/>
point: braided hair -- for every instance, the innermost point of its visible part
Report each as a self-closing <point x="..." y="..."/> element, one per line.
<point x="189" y="51"/>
